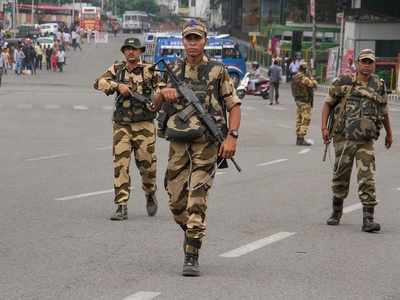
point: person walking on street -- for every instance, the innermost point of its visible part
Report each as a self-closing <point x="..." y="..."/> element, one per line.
<point x="19" y="58"/>
<point x="133" y="126"/>
<point x="303" y="86"/>
<point x="193" y="151"/>
<point x="61" y="59"/>
<point x="275" y="77"/>
<point x="359" y="110"/>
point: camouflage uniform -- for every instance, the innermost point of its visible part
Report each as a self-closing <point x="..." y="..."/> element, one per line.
<point x="191" y="165"/>
<point x="133" y="128"/>
<point x="347" y="149"/>
<point x="346" y="96"/>
<point x="302" y="90"/>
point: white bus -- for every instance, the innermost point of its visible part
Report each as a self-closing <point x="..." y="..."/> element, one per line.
<point x="135" y="21"/>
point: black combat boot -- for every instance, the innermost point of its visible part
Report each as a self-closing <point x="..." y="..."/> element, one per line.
<point x="337" y="211"/>
<point x="120" y="214"/>
<point x="151" y="204"/>
<point x="191" y="263"/>
<point x="368" y="220"/>
<point x="302" y="142"/>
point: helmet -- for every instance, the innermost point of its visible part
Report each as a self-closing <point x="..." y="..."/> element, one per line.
<point x="255" y="64"/>
<point x="303" y="66"/>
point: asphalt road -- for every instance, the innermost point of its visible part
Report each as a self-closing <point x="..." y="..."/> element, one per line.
<point x="266" y="237"/>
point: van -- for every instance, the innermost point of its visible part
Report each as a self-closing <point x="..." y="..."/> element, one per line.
<point x="48" y="28"/>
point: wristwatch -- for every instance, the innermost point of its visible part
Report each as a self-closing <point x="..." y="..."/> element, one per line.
<point x="234" y="133"/>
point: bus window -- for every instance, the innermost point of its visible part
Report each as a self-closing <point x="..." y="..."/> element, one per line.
<point x="217" y="53"/>
<point x="230" y="53"/>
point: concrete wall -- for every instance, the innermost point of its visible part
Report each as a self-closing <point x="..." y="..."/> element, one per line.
<point x="364" y="35"/>
<point x="200" y="9"/>
<point x="173" y="5"/>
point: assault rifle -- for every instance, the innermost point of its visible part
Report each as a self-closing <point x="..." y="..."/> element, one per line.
<point x="194" y="106"/>
<point x="330" y="129"/>
<point x="135" y="97"/>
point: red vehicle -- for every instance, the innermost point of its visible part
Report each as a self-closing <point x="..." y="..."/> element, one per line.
<point x="91" y="18"/>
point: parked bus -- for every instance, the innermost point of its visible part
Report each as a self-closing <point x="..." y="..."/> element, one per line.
<point x="222" y="48"/>
<point x="90" y="19"/>
<point x="135" y="21"/>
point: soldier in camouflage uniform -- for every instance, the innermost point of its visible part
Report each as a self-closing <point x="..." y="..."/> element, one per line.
<point x="133" y="126"/>
<point x="360" y="111"/>
<point x="193" y="152"/>
<point x="303" y="87"/>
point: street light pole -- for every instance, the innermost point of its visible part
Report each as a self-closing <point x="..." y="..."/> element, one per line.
<point x="32" y="8"/>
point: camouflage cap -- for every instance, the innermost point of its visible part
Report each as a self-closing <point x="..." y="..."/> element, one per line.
<point x="367" y="53"/>
<point x="194" y="27"/>
<point x="133" y="43"/>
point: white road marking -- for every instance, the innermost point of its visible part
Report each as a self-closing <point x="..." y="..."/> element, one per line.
<point x="311" y="141"/>
<point x="249" y="108"/>
<point x="220" y="173"/>
<point x="257" y="244"/>
<point x="104" y="148"/>
<point x="398" y="189"/>
<point x="107" y="107"/>
<point x="24" y="106"/>
<point x="143" y="296"/>
<point x="278" y="108"/>
<point x="84" y="195"/>
<point x="394" y="109"/>
<point x="272" y="162"/>
<point x="80" y="107"/>
<point x="48" y="157"/>
<point x="52" y="106"/>
<point x="305" y="151"/>
<point x="284" y="126"/>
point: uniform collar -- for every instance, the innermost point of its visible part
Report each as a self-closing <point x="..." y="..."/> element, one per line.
<point x="203" y="60"/>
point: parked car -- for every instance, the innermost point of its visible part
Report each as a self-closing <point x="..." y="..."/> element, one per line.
<point x="46" y="41"/>
<point x="27" y="31"/>
<point x="48" y="28"/>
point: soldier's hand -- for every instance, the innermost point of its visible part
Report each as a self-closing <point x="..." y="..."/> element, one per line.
<point x="228" y="148"/>
<point x="170" y="95"/>
<point x="388" y="141"/>
<point x="325" y="135"/>
<point x="123" y="89"/>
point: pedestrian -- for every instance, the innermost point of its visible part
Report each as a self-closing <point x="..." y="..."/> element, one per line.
<point x="303" y="86"/>
<point x="360" y="111"/>
<point x="61" y="59"/>
<point x="294" y="68"/>
<point x="275" y="77"/>
<point x="133" y="126"/>
<point x="19" y="58"/>
<point x="48" y="52"/>
<point x="193" y="151"/>
<point x="2" y="65"/>
<point x="54" y="59"/>
<point x="39" y="56"/>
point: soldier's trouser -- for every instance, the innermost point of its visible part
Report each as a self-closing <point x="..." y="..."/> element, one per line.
<point x="138" y="138"/>
<point x="345" y="153"/>
<point x="189" y="177"/>
<point x="303" y="118"/>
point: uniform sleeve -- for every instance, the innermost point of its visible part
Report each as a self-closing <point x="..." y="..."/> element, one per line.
<point x="228" y="91"/>
<point x="309" y="82"/>
<point x="107" y="81"/>
<point x="332" y="99"/>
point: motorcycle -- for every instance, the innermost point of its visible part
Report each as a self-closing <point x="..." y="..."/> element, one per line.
<point x="262" y="88"/>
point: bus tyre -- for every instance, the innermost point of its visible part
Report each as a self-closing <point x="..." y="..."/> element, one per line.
<point x="240" y="93"/>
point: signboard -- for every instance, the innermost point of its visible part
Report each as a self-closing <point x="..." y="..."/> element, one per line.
<point x="312" y="8"/>
<point x="332" y="61"/>
<point x="347" y="64"/>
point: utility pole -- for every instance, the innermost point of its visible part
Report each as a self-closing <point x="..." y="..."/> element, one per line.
<point x="314" y="36"/>
<point x="32" y="12"/>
